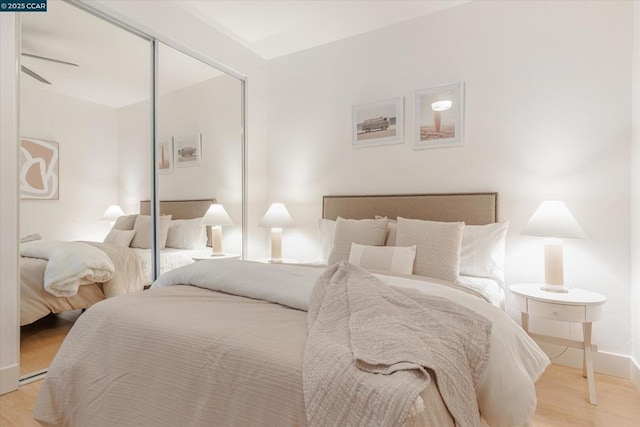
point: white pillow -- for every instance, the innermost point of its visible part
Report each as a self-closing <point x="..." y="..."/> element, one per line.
<point x="186" y="234"/>
<point x="483" y="250"/>
<point x="394" y="259"/>
<point x="120" y="237"/>
<point x="327" y="228"/>
<point x="362" y="231"/>
<point x="142" y="238"/>
<point x="438" y="246"/>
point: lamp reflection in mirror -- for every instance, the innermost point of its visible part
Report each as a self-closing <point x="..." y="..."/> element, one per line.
<point x="216" y="217"/>
<point x="112" y="213"/>
<point x="554" y="221"/>
<point x="437" y="107"/>
<point x="276" y="218"/>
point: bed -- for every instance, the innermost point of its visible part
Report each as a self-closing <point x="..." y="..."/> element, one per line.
<point x="231" y="342"/>
<point x="130" y="267"/>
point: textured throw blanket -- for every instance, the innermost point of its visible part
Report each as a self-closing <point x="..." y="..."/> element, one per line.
<point x="369" y="346"/>
<point x="70" y="265"/>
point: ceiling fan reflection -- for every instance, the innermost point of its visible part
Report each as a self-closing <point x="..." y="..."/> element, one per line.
<point x="37" y="76"/>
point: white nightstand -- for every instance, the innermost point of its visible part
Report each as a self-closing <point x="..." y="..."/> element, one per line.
<point x="577" y="305"/>
<point x="225" y="256"/>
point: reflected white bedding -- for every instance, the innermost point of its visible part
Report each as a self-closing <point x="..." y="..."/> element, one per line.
<point x="169" y="258"/>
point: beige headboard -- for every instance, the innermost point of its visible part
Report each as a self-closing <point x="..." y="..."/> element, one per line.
<point x="472" y="208"/>
<point x="179" y="209"/>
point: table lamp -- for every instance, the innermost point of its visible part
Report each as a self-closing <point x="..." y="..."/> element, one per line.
<point x="276" y="218"/>
<point x="553" y="221"/>
<point x="112" y="213"/>
<point x="216" y="217"/>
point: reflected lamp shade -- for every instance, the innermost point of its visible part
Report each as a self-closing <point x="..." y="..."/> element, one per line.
<point x="112" y="213"/>
<point x="216" y="217"/>
<point x="554" y="221"/>
<point x="276" y="218"/>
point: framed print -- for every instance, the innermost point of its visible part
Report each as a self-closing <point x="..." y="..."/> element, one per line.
<point x="438" y="116"/>
<point x="188" y="151"/>
<point x="39" y="170"/>
<point x="165" y="156"/>
<point x="378" y="123"/>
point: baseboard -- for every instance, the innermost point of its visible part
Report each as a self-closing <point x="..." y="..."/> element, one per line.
<point x="9" y="377"/>
<point x="635" y="373"/>
<point x="617" y="365"/>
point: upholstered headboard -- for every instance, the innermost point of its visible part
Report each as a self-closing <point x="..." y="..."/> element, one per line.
<point x="472" y="208"/>
<point x="179" y="209"/>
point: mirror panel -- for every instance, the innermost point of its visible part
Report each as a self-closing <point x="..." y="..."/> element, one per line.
<point x="199" y="152"/>
<point x="80" y="152"/>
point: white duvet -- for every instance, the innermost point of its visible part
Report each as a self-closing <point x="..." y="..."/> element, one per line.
<point x="506" y="394"/>
<point x="70" y="265"/>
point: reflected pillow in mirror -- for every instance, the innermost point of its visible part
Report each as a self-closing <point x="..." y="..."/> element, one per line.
<point x="125" y="222"/>
<point x="120" y="237"/>
<point x="186" y="234"/>
<point x="142" y="238"/>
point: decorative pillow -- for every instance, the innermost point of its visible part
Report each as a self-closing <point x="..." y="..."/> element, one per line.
<point x="392" y="231"/>
<point x="438" y="246"/>
<point x="394" y="259"/>
<point x="120" y="237"/>
<point x="483" y="249"/>
<point x="30" y="238"/>
<point x="187" y="234"/>
<point x="362" y="231"/>
<point x="142" y="238"/>
<point x="125" y="222"/>
<point x="327" y="228"/>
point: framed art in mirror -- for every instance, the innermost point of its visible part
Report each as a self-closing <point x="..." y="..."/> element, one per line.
<point x="165" y="156"/>
<point x="39" y="161"/>
<point x="189" y="151"/>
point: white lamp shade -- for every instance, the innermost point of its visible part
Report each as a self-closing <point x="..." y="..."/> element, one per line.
<point x="277" y="217"/>
<point x="216" y="215"/>
<point x="553" y="219"/>
<point x="112" y="213"/>
<point x="441" y="105"/>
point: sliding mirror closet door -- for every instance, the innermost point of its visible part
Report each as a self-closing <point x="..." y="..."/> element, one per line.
<point x="81" y="151"/>
<point x="199" y="160"/>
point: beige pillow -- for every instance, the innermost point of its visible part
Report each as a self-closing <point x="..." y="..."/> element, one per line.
<point x="392" y="231"/>
<point x="142" y="238"/>
<point x="120" y="237"/>
<point x="394" y="259"/>
<point x="438" y="246"/>
<point x="125" y="222"/>
<point x="361" y="231"/>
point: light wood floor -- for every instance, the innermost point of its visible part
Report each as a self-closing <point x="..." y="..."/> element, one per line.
<point x="562" y="401"/>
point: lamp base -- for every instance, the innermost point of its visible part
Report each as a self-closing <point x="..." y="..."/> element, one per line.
<point x="554" y="288"/>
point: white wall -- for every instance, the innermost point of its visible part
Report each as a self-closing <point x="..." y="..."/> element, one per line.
<point x="170" y="23"/>
<point x="9" y="350"/>
<point x="211" y="108"/>
<point x="635" y="204"/>
<point x="547" y="116"/>
<point x="87" y="136"/>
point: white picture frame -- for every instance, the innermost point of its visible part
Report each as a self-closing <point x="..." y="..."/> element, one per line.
<point x="439" y="114"/>
<point x="188" y="151"/>
<point x="378" y="123"/>
<point x="166" y="156"/>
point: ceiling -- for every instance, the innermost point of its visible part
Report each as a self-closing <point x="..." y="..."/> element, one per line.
<point x="273" y="28"/>
<point x="114" y="64"/>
